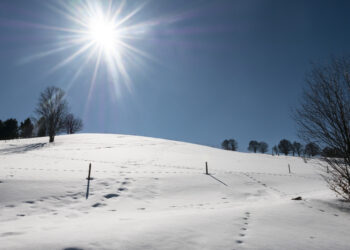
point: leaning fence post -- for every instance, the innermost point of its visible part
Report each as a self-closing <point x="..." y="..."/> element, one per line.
<point x="89" y="172"/>
<point x="206" y="168"/>
<point x="289" y="168"/>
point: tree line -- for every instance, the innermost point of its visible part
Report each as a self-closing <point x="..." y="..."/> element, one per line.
<point x="285" y="147"/>
<point x="52" y="117"/>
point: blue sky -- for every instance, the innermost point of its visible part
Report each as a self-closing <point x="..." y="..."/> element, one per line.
<point x="216" y="69"/>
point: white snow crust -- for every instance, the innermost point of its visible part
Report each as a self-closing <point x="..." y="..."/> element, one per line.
<point x="150" y="193"/>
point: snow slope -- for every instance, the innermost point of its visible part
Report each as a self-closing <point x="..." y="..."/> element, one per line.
<point x="151" y="193"/>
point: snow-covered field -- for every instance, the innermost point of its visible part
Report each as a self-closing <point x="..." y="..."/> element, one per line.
<point x="153" y="194"/>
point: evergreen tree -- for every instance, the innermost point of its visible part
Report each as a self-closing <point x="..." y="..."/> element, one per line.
<point x="26" y="128"/>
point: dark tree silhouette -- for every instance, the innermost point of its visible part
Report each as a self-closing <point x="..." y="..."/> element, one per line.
<point x="324" y="117"/>
<point x="230" y="144"/>
<point x="73" y="124"/>
<point x="312" y="149"/>
<point x="233" y="145"/>
<point x="263" y="147"/>
<point x="285" y="146"/>
<point x="224" y="144"/>
<point x="2" y="128"/>
<point x="52" y="107"/>
<point x="297" y="148"/>
<point x="331" y="153"/>
<point x="10" y="129"/>
<point x="26" y="128"/>
<point x="253" y="146"/>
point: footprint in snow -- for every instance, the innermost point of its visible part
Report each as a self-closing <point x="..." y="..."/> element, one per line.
<point x="30" y="202"/>
<point x="239" y="241"/>
<point x="98" y="205"/>
<point x="73" y="248"/>
<point x="108" y="196"/>
<point x="10" y="234"/>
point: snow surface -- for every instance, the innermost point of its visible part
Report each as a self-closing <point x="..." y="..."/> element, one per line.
<point x="152" y="193"/>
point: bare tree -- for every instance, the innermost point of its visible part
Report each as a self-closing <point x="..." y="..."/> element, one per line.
<point x="224" y="144"/>
<point x="253" y="146"/>
<point x="73" y="124"/>
<point x="263" y="147"/>
<point x="312" y="149"/>
<point x="285" y="146"/>
<point x="233" y="145"/>
<point x="230" y="144"/>
<point x="52" y="108"/>
<point x="297" y="148"/>
<point x="324" y="117"/>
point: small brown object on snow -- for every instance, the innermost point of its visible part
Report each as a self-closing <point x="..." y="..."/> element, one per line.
<point x="297" y="198"/>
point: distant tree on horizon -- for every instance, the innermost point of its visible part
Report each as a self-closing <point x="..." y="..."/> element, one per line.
<point x="224" y="144"/>
<point x="263" y="147"/>
<point x="297" y="148"/>
<point x="1" y="130"/>
<point x="52" y="109"/>
<point x="73" y="124"/>
<point x="9" y="129"/>
<point x="285" y="146"/>
<point x="253" y="146"/>
<point x="26" y="128"/>
<point x="312" y="149"/>
<point x="230" y="144"/>
<point x="331" y="152"/>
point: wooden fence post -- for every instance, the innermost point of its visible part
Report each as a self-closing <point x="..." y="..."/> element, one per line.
<point x="89" y="172"/>
<point x="289" y="168"/>
<point x="206" y="168"/>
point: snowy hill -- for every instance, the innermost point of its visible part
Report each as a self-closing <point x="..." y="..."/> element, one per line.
<point x="151" y="193"/>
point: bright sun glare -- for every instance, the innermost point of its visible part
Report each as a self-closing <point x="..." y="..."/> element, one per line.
<point x="98" y="35"/>
<point x="103" y="33"/>
<point x="100" y="38"/>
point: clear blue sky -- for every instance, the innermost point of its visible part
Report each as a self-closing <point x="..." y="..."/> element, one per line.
<point x="218" y="69"/>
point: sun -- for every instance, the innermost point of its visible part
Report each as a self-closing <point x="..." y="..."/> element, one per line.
<point x="99" y="39"/>
<point x="103" y="33"/>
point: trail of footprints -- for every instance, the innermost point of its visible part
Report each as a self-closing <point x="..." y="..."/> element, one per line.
<point x="264" y="184"/>
<point x="72" y="197"/>
<point x="107" y="171"/>
<point x="308" y="204"/>
<point x="108" y="196"/>
<point x="244" y="229"/>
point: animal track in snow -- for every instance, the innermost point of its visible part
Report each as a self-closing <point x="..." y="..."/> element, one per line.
<point x="244" y="229"/>
<point x="109" y="196"/>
